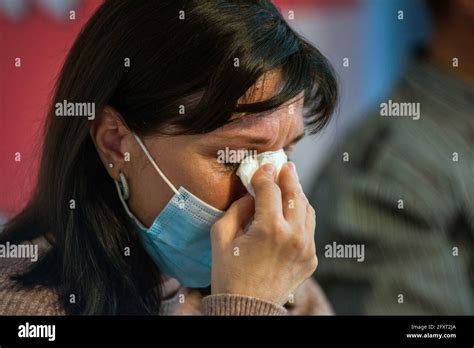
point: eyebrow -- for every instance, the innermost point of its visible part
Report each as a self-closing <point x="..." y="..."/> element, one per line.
<point x="298" y="138"/>
<point x="257" y="140"/>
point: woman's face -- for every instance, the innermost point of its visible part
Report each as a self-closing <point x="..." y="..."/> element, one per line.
<point x="192" y="160"/>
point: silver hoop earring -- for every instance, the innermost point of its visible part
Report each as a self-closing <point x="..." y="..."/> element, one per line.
<point x="123" y="185"/>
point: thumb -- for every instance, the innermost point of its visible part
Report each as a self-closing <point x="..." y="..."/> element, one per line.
<point x="232" y="223"/>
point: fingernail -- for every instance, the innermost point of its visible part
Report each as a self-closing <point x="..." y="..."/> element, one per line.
<point x="269" y="168"/>
<point x="293" y="167"/>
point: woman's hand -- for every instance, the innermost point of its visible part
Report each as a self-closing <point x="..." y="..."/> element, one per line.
<point x="277" y="253"/>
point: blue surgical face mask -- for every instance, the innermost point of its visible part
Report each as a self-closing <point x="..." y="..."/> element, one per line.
<point x="179" y="240"/>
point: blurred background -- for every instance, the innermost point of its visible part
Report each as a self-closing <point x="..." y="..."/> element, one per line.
<point x="411" y="264"/>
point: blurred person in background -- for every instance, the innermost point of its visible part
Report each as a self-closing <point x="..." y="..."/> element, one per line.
<point x="402" y="187"/>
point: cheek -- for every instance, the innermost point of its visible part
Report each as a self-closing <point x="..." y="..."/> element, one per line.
<point x="199" y="173"/>
<point x="215" y="187"/>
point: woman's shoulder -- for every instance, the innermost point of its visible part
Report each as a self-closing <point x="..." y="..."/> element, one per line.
<point x="17" y="299"/>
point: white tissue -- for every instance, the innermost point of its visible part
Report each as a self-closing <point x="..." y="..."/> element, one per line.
<point x="249" y="166"/>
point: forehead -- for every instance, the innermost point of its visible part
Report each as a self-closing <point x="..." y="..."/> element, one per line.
<point x="288" y="114"/>
<point x="278" y="126"/>
<point x="264" y="88"/>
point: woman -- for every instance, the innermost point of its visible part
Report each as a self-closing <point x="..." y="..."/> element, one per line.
<point x="131" y="203"/>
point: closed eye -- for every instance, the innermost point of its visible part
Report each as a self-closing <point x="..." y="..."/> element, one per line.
<point x="233" y="166"/>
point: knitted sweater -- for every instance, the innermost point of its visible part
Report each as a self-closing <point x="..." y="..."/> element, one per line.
<point x="17" y="300"/>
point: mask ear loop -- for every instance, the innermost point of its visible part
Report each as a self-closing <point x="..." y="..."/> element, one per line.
<point x="163" y="176"/>
<point x="122" y="186"/>
<point x="124" y="193"/>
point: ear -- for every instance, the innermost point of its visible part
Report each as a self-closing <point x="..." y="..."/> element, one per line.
<point x="110" y="136"/>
